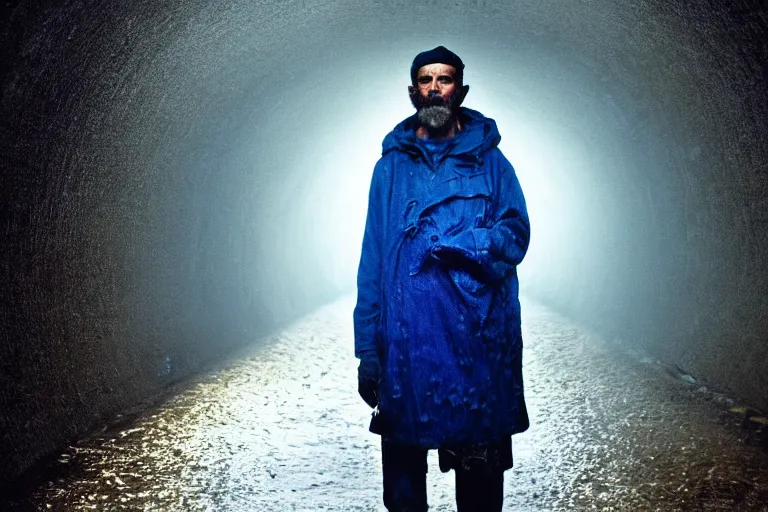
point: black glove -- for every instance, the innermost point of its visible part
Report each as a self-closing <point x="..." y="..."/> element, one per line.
<point x="460" y="252"/>
<point x="368" y="378"/>
<point x="457" y="249"/>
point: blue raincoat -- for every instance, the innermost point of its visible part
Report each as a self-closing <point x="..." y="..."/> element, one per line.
<point x="437" y="287"/>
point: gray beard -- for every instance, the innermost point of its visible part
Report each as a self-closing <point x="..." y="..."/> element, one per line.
<point x="435" y="117"/>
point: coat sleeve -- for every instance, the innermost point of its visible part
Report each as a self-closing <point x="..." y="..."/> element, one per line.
<point x="368" y="308"/>
<point x="503" y="243"/>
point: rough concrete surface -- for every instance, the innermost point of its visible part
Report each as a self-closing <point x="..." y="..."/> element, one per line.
<point x="280" y="428"/>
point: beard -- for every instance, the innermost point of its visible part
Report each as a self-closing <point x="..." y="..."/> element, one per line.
<point x="436" y="114"/>
<point x="437" y="117"/>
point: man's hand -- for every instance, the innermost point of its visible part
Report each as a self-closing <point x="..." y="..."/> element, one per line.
<point x="368" y="378"/>
<point x="457" y="250"/>
<point x="461" y="252"/>
<point x="453" y="255"/>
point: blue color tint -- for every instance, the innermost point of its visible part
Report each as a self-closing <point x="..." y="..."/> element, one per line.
<point x="437" y="287"/>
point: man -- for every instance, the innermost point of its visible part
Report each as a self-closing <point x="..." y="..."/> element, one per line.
<point x="437" y="320"/>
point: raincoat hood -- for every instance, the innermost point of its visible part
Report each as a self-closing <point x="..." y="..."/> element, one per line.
<point x="478" y="135"/>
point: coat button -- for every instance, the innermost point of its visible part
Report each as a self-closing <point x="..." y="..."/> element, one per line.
<point x="434" y="238"/>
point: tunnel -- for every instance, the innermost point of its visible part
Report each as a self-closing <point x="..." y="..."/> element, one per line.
<point x="183" y="178"/>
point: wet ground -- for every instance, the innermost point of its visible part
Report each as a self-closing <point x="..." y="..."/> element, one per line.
<point x="281" y="428"/>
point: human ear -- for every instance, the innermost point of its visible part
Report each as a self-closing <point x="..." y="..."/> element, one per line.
<point x="463" y="93"/>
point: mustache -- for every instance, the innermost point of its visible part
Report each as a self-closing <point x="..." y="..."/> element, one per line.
<point x="435" y="100"/>
<point x="432" y="100"/>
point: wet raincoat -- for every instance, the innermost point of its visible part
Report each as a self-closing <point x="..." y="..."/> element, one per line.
<point x="437" y="287"/>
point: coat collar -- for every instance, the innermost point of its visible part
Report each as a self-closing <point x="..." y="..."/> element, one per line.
<point x="478" y="135"/>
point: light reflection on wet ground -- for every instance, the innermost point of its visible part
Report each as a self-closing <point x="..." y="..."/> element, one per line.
<point x="281" y="428"/>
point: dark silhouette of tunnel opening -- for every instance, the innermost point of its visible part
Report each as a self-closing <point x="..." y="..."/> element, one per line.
<point x="167" y="172"/>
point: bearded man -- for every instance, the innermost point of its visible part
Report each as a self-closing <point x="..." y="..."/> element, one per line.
<point x="437" y="320"/>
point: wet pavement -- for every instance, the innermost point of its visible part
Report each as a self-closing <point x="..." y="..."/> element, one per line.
<point x="280" y="428"/>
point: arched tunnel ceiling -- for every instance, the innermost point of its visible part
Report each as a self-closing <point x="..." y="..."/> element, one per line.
<point x="177" y="177"/>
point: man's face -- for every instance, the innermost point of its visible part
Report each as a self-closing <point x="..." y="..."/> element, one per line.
<point x="436" y="79"/>
<point x="436" y="95"/>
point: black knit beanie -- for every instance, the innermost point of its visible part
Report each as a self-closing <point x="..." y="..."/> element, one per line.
<point x="439" y="55"/>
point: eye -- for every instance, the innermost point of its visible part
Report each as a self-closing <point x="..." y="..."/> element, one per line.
<point x="425" y="80"/>
<point x="445" y="80"/>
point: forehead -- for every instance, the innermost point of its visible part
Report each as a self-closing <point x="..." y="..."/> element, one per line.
<point x="437" y="70"/>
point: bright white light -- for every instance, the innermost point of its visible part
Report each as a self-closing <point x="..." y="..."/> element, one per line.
<point x="337" y="191"/>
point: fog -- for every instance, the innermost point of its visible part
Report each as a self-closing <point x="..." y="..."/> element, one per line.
<point x="180" y="178"/>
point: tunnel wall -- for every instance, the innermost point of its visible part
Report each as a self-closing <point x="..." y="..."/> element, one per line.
<point x="129" y="259"/>
<point x="132" y="215"/>
<point x="678" y="267"/>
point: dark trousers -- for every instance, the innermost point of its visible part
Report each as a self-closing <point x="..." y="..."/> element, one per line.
<point x="480" y="489"/>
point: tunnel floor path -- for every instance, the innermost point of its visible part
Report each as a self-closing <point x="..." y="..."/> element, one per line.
<point x="280" y="428"/>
